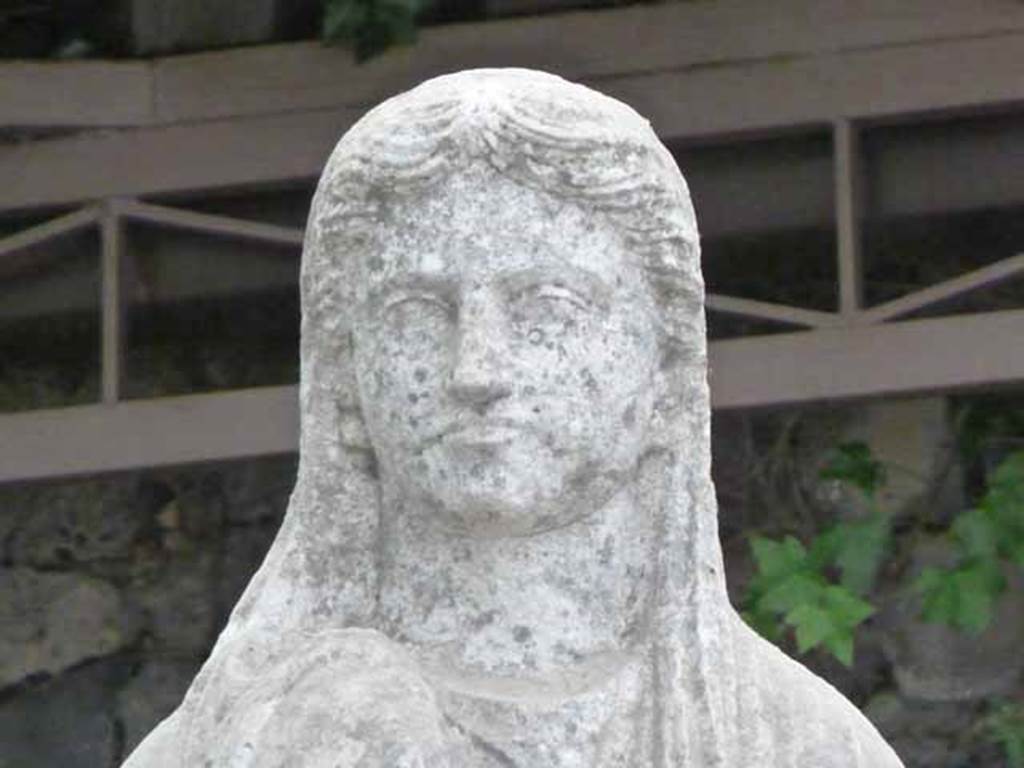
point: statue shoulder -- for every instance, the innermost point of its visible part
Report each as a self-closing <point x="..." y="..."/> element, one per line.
<point x="807" y="718"/>
<point x="161" y="748"/>
<point x="351" y="696"/>
<point x="341" y="697"/>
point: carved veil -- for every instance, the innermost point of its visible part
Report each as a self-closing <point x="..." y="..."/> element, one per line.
<point x="321" y="572"/>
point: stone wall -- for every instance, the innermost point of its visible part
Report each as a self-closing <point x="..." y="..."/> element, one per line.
<point x="114" y="588"/>
<point x="112" y="591"/>
<point x="928" y="689"/>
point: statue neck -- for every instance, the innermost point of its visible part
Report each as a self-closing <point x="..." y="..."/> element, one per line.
<point x="532" y="608"/>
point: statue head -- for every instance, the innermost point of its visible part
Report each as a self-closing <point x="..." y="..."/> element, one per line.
<point x="502" y="327"/>
<point x="502" y="321"/>
<point x="520" y="289"/>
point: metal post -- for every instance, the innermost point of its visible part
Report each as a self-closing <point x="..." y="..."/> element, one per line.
<point x="849" y="215"/>
<point x="111" y="304"/>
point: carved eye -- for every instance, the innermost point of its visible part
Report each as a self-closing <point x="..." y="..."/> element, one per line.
<point x="542" y="313"/>
<point x="550" y="299"/>
<point x="417" y="301"/>
<point x="419" y="309"/>
<point x="559" y="294"/>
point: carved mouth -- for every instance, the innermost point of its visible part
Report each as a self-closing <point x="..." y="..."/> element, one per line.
<point x="476" y="434"/>
<point x="483" y="434"/>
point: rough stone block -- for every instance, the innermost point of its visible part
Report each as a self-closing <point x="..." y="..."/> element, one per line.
<point x="257" y="491"/>
<point x="244" y="550"/>
<point x="72" y="522"/>
<point x="151" y="696"/>
<point x="65" y="723"/>
<point x="502" y="549"/>
<point x="52" y="621"/>
<point x="935" y="662"/>
<point x="160" y="26"/>
<point x="179" y="603"/>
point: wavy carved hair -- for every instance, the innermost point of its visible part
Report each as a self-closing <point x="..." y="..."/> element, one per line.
<point x="571" y="142"/>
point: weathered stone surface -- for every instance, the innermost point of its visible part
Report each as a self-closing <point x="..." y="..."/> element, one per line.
<point x="75" y="521"/>
<point x="934" y="734"/>
<point x="502" y="548"/>
<point x="66" y="722"/>
<point x="179" y="603"/>
<point x="935" y="662"/>
<point x="914" y="438"/>
<point x="257" y="491"/>
<point x="151" y="696"/>
<point x="52" y="621"/>
<point x="248" y="492"/>
<point x="159" y="26"/>
<point x="244" y="549"/>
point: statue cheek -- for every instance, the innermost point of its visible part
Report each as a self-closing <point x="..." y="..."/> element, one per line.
<point x="399" y="379"/>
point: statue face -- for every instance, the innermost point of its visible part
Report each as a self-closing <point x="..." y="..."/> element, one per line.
<point x="506" y="351"/>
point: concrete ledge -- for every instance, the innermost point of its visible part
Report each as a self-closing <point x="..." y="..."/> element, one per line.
<point x="891" y="359"/>
<point x="91" y="439"/>
<point x="593" y="46"/>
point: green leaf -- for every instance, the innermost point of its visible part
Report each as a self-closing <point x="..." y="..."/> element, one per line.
<point x="847" y="610"/>
<point x="825" y="548"/>
<point x="974" y="614"/>
<point x="791" y="583"/>
<point x="791" y="592"/>
<point x="1016" y="553"/>
<point x="1003" y="503"/>
<point x="1009" y="476"/>
<point x="929" y="580"/>
<point x="765" y="624"/>
<point x="777" y="559"/>
<point x="862" y="546"/>
<point x="1006" y="486"/>
<point x="343" y="19"/>
<point x="1005" y="724"/>
<point x="370" y="26"/>
<point x="976" y="533"/>
<point x="854" y="464"/>
<point x="841" y="646"/>
<point x="963" y="597"/>
<point x="812" y="624"/>
<point x="940" y="596"/>
<point x="977" y="587"/>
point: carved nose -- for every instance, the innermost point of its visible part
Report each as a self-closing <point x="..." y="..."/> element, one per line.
<point x="479" y="373"/>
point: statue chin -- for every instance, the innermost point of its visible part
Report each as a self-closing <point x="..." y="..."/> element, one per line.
<point x="493" y="263"/>
<point x="484" y="509"/>
<point x="492" y="516"/>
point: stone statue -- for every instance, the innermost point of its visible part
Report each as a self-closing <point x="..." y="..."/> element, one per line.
<point x="502" y="547"/>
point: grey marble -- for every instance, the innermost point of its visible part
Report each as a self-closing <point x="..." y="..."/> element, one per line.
<point x="502" y="548"/>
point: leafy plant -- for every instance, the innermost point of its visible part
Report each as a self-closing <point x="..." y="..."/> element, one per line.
<point x="821" y="590"/>
<point x="369" y="27"/>
<point x="792" y="584"/>
<point x="853" y="463"/>
<point x="1005" y="726"/>
<point x="817" y="591"/>
<point x="986" y="539"/>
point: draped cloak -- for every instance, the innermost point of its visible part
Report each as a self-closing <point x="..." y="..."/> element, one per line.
<point x="306" y="632"/>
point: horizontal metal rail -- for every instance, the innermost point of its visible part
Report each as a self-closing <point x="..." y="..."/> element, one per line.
<point x="62" y="225"/>
<point x="782" y="369"/>
<point x="203" y="123"/>
<point x="228" y="141"/>
<point x="207" y="223"/>
<point x="593" y="46"/>
<point x="90" y="439"/>
<point x="115" y="278"/>
<point x="993" y="274"/>
<point x="939" y="354"/>
<point x="763" y="310"/>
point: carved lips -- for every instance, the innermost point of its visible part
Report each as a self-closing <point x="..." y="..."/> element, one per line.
<point x="486" y="434"/>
